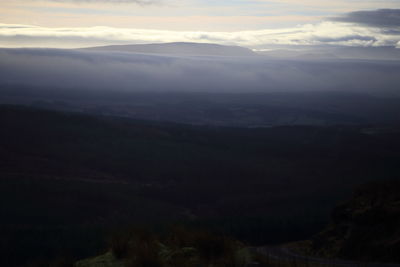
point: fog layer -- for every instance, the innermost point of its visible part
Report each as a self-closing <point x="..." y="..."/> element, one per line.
<point x="87" y="70"/>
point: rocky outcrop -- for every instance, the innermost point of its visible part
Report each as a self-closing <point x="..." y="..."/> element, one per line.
<point x="366" y="228"/>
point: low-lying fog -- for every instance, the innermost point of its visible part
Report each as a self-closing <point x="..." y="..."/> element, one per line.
<point x="110" y="70"/>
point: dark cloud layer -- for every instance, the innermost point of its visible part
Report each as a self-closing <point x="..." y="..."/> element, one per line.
<point x="112" y="71"/>
<point x="375" y="18"/>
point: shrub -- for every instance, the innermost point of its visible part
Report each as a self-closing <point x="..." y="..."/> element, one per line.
<point x="180" y="247"/>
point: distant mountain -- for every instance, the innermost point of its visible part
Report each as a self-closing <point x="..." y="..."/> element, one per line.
<point x="197" y="49"/>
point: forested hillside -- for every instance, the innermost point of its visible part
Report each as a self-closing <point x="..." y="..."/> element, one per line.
<point x="68" y="179"/>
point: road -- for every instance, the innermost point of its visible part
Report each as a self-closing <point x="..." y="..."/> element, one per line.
<point x="284" y="254"/>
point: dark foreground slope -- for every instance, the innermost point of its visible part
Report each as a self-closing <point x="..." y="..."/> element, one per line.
<point x="366" y="228"/>
<point x="66" y="179"/>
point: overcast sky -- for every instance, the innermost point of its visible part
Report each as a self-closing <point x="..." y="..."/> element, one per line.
<point x="254" y="23"/>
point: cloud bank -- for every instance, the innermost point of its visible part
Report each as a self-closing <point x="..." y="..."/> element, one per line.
<point x="362" y="28"/>
<point x="324" y="33"/>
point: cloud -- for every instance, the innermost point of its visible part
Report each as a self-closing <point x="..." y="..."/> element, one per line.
<point x="351" y="29"/>
<point x="375" y="18"/>
<point x="140" y="2"/>
<point x="323" y="33"/>
<point x="346" y="38"/>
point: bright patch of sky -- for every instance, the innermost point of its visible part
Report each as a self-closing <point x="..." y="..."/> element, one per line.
<point x="77" y="23"/>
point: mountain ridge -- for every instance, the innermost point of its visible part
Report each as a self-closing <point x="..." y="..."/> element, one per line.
<point x="178" y="48"/>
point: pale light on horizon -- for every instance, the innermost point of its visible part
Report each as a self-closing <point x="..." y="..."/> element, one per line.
<point x="254" y="24"/>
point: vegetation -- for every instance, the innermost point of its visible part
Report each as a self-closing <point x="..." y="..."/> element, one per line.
<point x="67" y="180"/>
<point x="105" y="260"/>
<point x="179" y="247"/>
<point x="364" y="228"/>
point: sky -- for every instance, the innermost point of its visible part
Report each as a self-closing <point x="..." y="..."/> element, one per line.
<point x="255" y="23"/>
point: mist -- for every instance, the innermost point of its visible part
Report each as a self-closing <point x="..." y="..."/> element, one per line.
<point x="89" y="71"/>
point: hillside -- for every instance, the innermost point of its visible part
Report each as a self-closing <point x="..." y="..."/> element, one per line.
<point x="366" y="227"/>
<point x="177" y="247"/>
<point x="81" y="176"/>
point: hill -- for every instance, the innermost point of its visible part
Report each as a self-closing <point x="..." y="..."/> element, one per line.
<point x="366" y="227"/>
<point x="68" y="179"/>
<point x="179" y="48"/>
